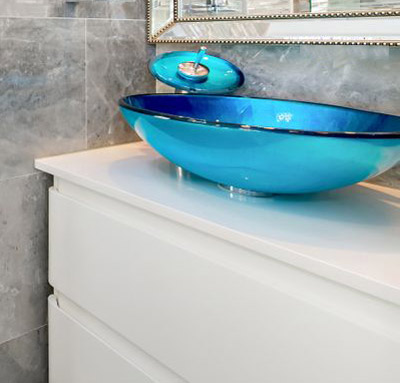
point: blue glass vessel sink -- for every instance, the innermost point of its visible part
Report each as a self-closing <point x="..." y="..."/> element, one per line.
<point x="266" y="145"/>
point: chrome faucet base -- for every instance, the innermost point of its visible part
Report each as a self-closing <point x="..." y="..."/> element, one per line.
<point x="245" y="192"/>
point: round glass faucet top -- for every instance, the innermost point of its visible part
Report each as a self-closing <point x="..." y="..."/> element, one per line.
<point x="258" y="145"/>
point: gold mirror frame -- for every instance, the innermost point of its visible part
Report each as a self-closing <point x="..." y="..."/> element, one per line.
<point x="176" y="19"/>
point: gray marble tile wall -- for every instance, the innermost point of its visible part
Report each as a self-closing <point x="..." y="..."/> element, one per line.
<point x="63" y="67"/>
<point x="116" y="65"/>
<point x="112" y="9"/>
<point x="108" y="9"/>
<point x="360" y="77"/>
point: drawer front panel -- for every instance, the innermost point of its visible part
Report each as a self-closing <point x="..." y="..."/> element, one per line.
<point x="78" y="356"/>
<point x="206" y="320"/>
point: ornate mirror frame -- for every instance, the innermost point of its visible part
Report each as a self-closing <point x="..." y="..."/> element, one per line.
<point x="378" y="27"/>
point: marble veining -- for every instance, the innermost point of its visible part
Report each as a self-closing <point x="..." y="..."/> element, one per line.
<point x="32" y="8"/>
<point x="112" y="9"/>
<point x="23" y="250"/>
<point x="391" y="178"/>
<point x="43" y="73"/>
<point x="117" y="59"/>
<point x="42" y="91"/>
<point x="24" y="359"/>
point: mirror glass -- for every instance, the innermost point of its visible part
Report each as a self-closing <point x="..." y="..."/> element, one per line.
<point x="375" y="22"/>
<point x="162" y="12"/>
<point x="193" y="8"/>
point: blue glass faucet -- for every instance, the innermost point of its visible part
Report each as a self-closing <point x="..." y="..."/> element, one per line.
<point x="197" y="72"/>
<point x="194" y="70"/>
<point x="257" y="146"/>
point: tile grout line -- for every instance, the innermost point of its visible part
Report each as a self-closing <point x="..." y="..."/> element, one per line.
<point x="34" y="173"/>
<point x="86" y="90"/>
<point x="65" y="18"/>
<point x="23" y="334"/>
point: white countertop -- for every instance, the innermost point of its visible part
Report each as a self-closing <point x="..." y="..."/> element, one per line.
<point x="350" y="235"/>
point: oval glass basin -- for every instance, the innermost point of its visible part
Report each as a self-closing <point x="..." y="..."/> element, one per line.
<point x="266" y="145"/>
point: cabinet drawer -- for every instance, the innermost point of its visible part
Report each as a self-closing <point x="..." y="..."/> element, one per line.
<point x="239" y="318"/>
<point x="79" y="356"/>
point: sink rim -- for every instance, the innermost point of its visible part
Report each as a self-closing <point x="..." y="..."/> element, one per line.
<point x="366" y="135"/>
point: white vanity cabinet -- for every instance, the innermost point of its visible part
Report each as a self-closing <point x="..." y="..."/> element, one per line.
<point x="160" y="276"/>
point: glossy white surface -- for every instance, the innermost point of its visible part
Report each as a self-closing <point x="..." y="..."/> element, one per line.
<point x="351" y="235"/>
<point x="82" y="350"/>
<point x="209" y="310"/>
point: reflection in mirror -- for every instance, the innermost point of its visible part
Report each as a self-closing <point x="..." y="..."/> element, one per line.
<point x="367" y="22"/>
<point x="342" y="29"/>
<point x="242" y="7"/>
<point x="354" y="5"/>
<point x="196" y="8"/>
<point x="162" y="12"/>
